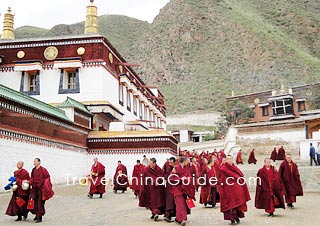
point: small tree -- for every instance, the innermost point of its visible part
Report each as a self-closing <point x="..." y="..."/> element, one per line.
<point x="236" y="112"/>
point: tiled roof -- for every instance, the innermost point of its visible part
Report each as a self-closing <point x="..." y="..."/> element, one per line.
<point x="31" y="102"/>
<point x="69" y="102"/>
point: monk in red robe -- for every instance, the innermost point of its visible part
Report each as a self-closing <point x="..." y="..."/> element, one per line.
<point x="120" y="178"/>
<point x="170" y="210"/>
<point x="97" y="185"/>
<point x="239" y="157"/>
<point x="152" y="195"/>
<point x="41" y="189"/>
<point x="290" y="176"/>
<point x="252" y="158"/>
<point x="136" y="178"/>
<point x="269" y="191"/>
<point x="281" y="153"/>
<point x="234" y="193"/>
<point x="14" y="209"/>
<point x="274" y="154"/>
<point x="209" y="194"/>
<point x="183" y="188"/>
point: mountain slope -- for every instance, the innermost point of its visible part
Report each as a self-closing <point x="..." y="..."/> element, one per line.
<point x="197" y="52"/>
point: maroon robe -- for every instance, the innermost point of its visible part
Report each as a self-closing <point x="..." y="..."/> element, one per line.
<point x="170" y="210"/>
<point x="209" y="194"/>
<point x="269" y="192"/>
<point x="13" y="209"/>
<point x="291" y="179"/>
<point x="252" y="158"/>
<point x="136" y="178"/>
<point x="274" y="155"/>
<point x="152" y="196"/>
<point x="239" y="158"/>
<point x="97" y="186"/>
<point x="233" y="196"/>
<point x="40" y="180"/>
<point x="182" y="191"/>
<point x="120" y="182"/>
<point x="281" y="154"/>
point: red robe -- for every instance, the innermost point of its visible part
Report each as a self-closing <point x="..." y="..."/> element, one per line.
<point x="252" y="158"/>
<point x="209" y="194"/>
<point x="269" y="192"/>
<point x="13" y="209"/>
<point x="136" y="179"/>
<point x="291" y="179"/>
<point x="152" y="196"/>
<point x="96" y="187"/>
<point x="274" y="155"/>
<point x="233" y="196"/>
<point x="182" y="191"/>
<point x="239" y="157"/>
<point x="281" y="154"/>
<point x="170" y="210"/>
<point x="40" y="180"/>
<point x="120" y="182"/>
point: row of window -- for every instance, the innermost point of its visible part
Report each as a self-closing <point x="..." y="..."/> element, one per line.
<point x="138" y="108"/>
<point x="283" y="107"/>
<point x="69" y="82"/>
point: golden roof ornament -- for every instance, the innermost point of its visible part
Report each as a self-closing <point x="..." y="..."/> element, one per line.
<point x="8" y="31"/>
<point x="91" y="25"/>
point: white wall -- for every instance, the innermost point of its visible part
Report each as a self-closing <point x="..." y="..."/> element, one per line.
<point x="11" y="79"/>
<point x="305" y="148"/>
<point x="57" y="161"/>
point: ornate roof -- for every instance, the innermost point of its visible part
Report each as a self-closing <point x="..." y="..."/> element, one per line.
<point x="71" y="103"/>
<point x="31" y="102"/>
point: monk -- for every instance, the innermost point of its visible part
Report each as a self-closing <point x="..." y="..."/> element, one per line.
<point x="269" y="190"/>
<point x="97" y="185"/>
<point x="281" y="153"/>
<point x="136" y="178"/>
<point x="120" y="178"/>
<point x="252" y="158"/>
<point x="290" y="176"/>
<point x="152" y="195"/>
<point x="183" y="188"/>
<point x="234" y="193"/>
<point x="170" y="210"/>
<point x="14" y="209"/>
<point x="274" y="154"/>
<point x="209" y="194"/>
<point x="41" y="189"/>
<point x="239" y="157"/>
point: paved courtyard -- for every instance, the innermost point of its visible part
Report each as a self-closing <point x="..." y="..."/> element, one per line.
<point x="71" y="207"/>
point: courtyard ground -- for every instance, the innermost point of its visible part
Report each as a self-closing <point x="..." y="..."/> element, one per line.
<point x="71" y="207"/>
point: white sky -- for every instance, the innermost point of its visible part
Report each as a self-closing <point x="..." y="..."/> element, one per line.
<point x="47" y="13"/>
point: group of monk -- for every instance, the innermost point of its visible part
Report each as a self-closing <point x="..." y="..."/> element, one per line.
<point x="251" y="160"/>
<point x="31" y="192"/>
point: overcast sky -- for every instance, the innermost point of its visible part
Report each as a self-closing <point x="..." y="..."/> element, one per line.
<point x="47" y="13"/>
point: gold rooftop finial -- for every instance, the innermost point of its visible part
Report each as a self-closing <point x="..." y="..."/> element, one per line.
<point x="7" y="32"/>
<point x="91" y="26"/>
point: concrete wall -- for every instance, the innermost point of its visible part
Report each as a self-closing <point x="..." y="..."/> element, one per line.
<point x="305" y="148"/>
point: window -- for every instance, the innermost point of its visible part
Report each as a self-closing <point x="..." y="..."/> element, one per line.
<point x="282" y="107"/>
<point x="69" y="81"/>
<point x="265" y="110"/>
<point x="135" y="106"/>
<point x="140" y="110"/>
<point x="146" y="113"/>
<point x="30" y="83"/>
<point x="301" y="106"/>
<point x="128" y="100"/>
<point x="121" y="95"/>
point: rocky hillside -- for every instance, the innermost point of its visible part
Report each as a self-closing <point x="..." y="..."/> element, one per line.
<point x="197" y="52"/>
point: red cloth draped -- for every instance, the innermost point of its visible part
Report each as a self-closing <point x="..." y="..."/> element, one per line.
<point x="291" y="179"/>
<point x="209" y="189"/>
<point x="120" y="182"/>
<point x="37" y="181"/>
<point x="136" y="178"/>
<point x="281" y="154"/>
<point x="252" y="158"/>
<point x="152" y="196"/>
<point x="13" y="209"/>
<point x="232" y="195"/>
<point x="170" y="210"/>
<point x="270" y="186"/>
<point x="96" y="187"/>
<point x="274" y="155"/>
<point x="176" y="177"/>
<point x="239" y="157"/>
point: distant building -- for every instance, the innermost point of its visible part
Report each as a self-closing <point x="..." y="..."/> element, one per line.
<point x="184" y="136"/>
